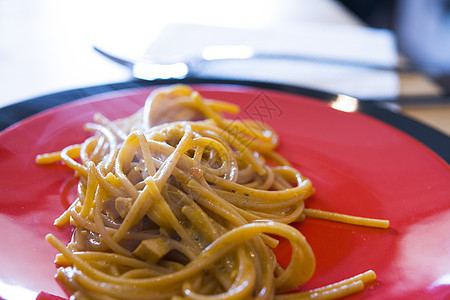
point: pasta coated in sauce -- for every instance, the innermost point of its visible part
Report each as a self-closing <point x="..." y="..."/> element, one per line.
<point x="178" y="202"/>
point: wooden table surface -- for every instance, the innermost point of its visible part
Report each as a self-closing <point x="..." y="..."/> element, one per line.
<point x="436" y="116"/>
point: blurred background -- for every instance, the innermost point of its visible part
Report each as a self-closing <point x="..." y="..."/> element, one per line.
<point x="395" y="52"/>
<point x="421" y="27"/>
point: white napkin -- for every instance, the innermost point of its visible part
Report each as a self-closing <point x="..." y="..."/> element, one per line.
<point x="181" y="42"/>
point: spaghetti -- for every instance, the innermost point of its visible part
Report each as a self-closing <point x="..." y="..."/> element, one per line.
<point x="178" y="202"/>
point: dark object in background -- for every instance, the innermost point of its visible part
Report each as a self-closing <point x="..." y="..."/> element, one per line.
<point x="375" y="13"/>
<point x="422" y="28"/>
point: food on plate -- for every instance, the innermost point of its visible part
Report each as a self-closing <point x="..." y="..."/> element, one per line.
<point x="179" y="202"/>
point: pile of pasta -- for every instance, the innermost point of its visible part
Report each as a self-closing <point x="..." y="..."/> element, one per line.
<point x="178" y="202"/>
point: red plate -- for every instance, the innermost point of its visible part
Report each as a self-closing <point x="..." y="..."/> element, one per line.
<point x="358" y="165"/>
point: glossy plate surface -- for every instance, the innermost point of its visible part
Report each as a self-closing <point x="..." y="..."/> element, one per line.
<point x="358" y="165"/>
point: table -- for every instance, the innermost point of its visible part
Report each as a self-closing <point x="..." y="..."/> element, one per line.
<point x="46" y="45"/>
